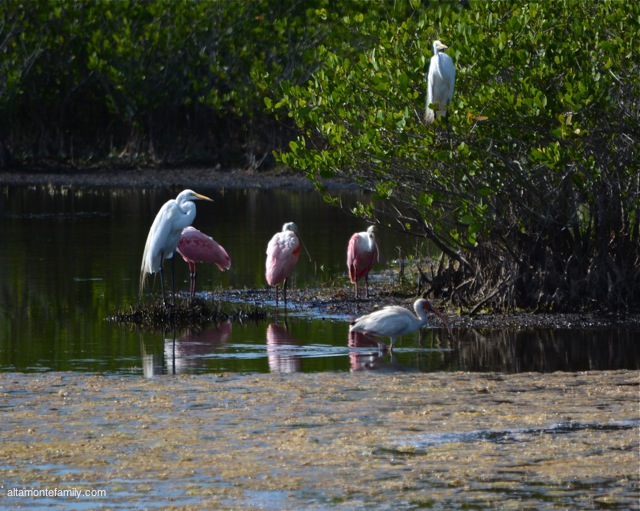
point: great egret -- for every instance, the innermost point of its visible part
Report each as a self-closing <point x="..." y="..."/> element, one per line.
<point x="283" y="251"/>
<point x="173" y="217"/>
<point x="361" y="254"/>
<point x="196" y="247"/>
<point x="394" y="321"/>
<point x="440" y="83"/>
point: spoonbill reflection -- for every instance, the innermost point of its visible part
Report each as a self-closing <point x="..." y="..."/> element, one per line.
<point x="173" y="217"/>
<point x="188" y="353"/>
<point x="394" y="321"/>
<point x="281" y="350"/>
<point x="361" y="254"/>
<point x="196" y="247"/>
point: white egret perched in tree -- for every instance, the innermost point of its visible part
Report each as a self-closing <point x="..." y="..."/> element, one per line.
<point x="440" y="83"/>
<point x="173" y="217"/>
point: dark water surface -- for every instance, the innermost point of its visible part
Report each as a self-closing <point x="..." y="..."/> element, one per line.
<point x="69" y="258"/>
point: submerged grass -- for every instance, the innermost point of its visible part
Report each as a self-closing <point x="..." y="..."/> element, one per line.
<point x="311" y="441"/>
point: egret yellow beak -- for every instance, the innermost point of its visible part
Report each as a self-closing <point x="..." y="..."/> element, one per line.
<point x="203" y="197"/>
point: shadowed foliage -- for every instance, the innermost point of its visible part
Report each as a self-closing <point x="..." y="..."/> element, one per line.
<point x="529" y="188"/>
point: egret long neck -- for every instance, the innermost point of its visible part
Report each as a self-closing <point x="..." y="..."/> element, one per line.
<point x="188" y="210"/>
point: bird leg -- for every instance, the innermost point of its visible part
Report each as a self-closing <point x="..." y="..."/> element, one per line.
<point x="194" y="277"/>
<point x="284" y="292"/>
<point x="173" y="288"/>
<point x="162" y="277"/>
<point x="162" y="283"/>
<point x="366" y="285"/>
<point x="381" y="345"/>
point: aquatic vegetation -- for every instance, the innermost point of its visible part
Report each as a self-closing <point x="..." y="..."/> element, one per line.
<point x="195" y="313"/>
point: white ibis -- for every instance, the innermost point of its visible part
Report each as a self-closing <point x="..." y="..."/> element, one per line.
<point x="394" y="321"/>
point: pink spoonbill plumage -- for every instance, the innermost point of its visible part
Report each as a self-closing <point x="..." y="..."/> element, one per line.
<point x="394" y="321"/>
<point x="196" y="247"/>
<point x="362" y="252"/>
<point x="163" y="237"/>
<point x="283" y="252"/>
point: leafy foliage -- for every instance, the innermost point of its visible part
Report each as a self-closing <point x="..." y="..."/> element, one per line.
<point x="530" y="187"/>
<point x="148" y="80"/>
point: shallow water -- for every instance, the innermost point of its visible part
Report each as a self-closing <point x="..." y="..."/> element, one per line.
<point x="69" y="258"/>
<point x="323" y="441"/>
<point x="222" y="421"/>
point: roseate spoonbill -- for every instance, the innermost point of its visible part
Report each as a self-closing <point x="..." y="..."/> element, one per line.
<point x="283" y="251"/>
<point x="361" y="253"/>
<point x="440" y="83"/>
<point x="196" y="247"/>
<point x="173" y="217"/>
<point x="394" y="321"/>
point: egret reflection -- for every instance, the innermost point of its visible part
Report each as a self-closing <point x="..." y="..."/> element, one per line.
<point x="187" y="354"/>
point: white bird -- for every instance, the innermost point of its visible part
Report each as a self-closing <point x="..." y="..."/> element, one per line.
<point x="440" y="83"/>
<point x="173" y="217"/>
<point x="362" y="251"/>
<point x="283" y="252"/>
<point x="394" y="321"/>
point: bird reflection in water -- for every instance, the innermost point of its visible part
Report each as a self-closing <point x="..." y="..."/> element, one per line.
<point x="363" y="359"/>
<point x="185" y="354"/>
<point x="281" y="347"/>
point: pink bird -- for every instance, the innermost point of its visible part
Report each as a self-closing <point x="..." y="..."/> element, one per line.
<point x="394" y="321"/>
<point x="196" y="247"/>
<point x="283" y="251"/>
<point x="361" y="254"/>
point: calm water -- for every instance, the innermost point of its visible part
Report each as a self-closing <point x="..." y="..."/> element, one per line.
<point x="69" y="258"/>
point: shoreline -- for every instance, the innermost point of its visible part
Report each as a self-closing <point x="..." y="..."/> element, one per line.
<point x="189" y="177"/>
<point x="333" y="302"/>
<point x="339" y="304"/>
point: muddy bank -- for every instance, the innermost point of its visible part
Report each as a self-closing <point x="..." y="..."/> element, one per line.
<point x="323" y="441"/>
<point x="338" y="302"/>
<point x="154" y="178"/>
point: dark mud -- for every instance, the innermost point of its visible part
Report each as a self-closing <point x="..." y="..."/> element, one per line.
<point x="281" y="179"/>
<point x="339" y="303"/>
